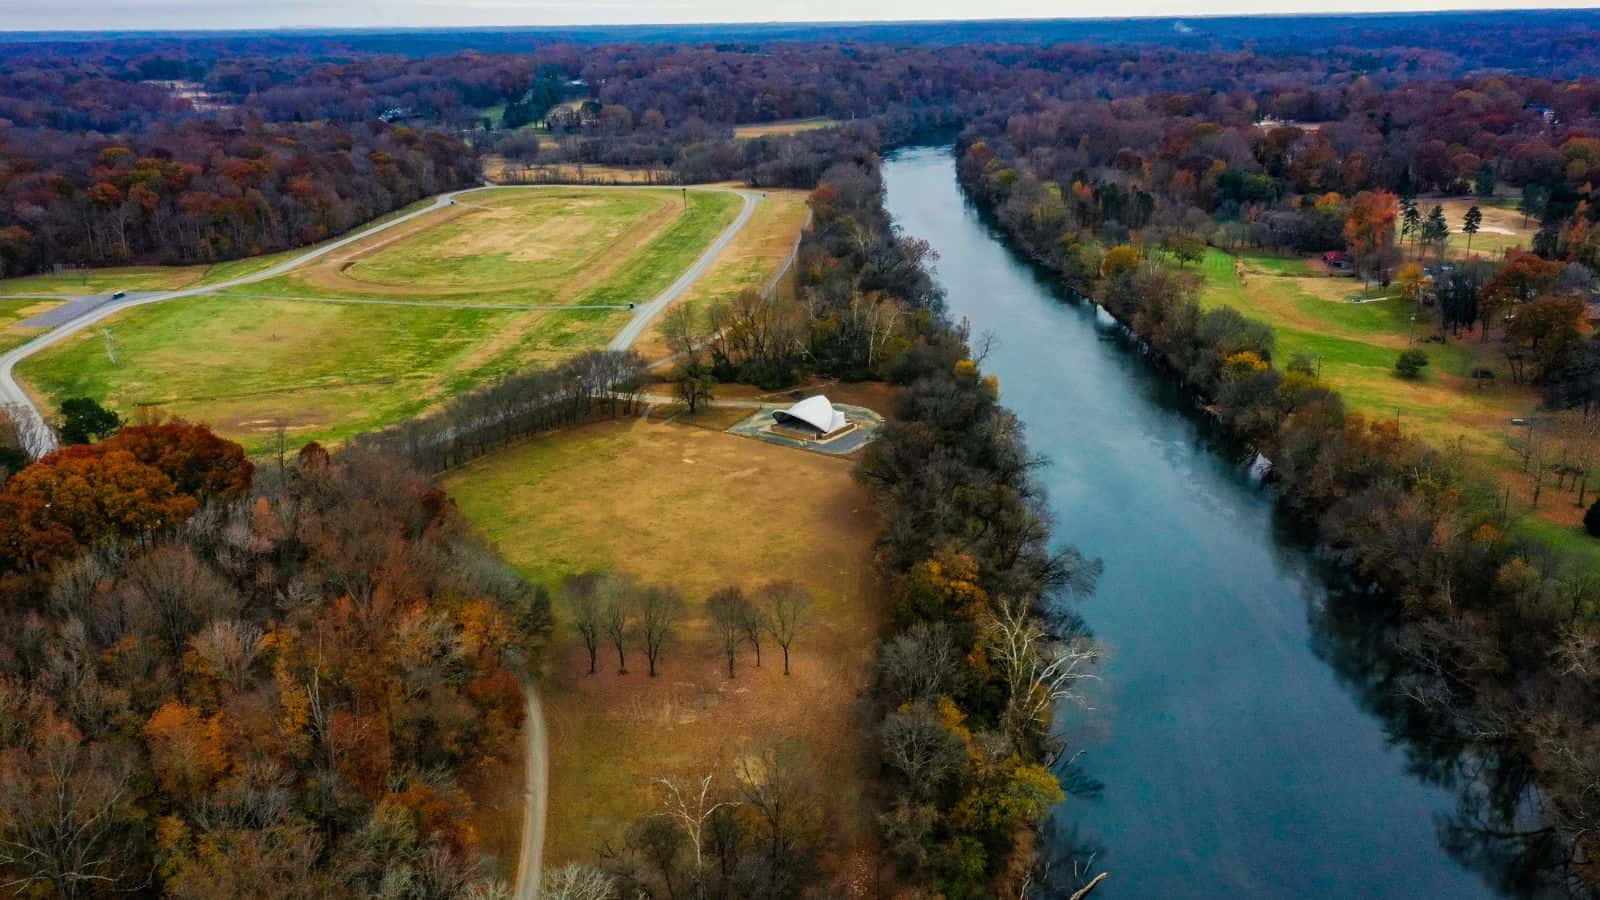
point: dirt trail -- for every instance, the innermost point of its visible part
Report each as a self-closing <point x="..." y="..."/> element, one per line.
<point x="536" y="796"/>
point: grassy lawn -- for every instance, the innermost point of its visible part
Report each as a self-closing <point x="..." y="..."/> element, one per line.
<point x="329" y="371"/>
<point x="535" y="247"/>
<point x="1502" y="227"/>
<point x="749" y="261"/>
<point x="1355" y="346"/>
<point x="697" y="509"/>
<point x="13" y="312"/>
<point x="788" y="126"/>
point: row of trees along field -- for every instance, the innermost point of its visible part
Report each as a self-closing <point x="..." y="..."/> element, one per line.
<point x="222" y="681"/>
<point x="1475" y="603"/>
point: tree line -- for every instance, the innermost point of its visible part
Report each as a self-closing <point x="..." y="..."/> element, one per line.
<point x="1475" y="602"/>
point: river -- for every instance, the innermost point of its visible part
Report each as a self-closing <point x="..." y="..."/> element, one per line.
<point x="1235" y="738"/>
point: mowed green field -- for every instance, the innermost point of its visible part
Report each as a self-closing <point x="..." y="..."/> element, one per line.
<point x="13" y="313"/>
<point x="327" y="371"/>
<point x="1355" y="345"/>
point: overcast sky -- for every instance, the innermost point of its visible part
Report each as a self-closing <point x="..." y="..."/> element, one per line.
<point x="33" y="15"/>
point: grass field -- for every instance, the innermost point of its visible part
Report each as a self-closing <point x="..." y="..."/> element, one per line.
<point x="245" y="363"/>
<point x="697" y="509"/>
<point x="751" y="260"/>
<point x="13" y="312"/>
<point x="1502" y="227"/>
<point x="1355" y="346"/>
<point x="788" y="126"/>
<point x="545" y="246"/>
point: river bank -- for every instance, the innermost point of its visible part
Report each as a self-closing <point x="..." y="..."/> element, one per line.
<point x="1241" y="741"/>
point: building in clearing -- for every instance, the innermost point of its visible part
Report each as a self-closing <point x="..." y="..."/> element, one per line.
<point x="813" y="418"/>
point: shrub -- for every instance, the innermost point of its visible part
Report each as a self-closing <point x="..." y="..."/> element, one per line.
<point x="1591" y="520"/>
<point x="1411" y="363"/>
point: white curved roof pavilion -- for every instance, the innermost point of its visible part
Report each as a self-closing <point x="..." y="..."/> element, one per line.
<point x="814" y="414"/>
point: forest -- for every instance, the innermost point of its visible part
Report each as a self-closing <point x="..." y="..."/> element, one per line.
<point x="188" y="662"/>
<point x="191" y="701"/>
<point x="162" y="150"/>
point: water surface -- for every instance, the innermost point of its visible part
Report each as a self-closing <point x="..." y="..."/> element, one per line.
<point x="1235" y="760"/>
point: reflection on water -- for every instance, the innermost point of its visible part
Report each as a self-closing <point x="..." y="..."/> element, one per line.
<point x="1256" y="732"/>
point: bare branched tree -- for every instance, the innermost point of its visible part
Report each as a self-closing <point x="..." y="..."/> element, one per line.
<point x="691" y="808"/>
<point x="616" y="617"/>
<point x="230" y="647"/>
<point x="575" y="882"/>
<point x="788" y="611"/>
<point x="729" y="610"/>
<point x="583" y="594"/>
<point x="659" y="611"/>
<point x="1040" y="671"/>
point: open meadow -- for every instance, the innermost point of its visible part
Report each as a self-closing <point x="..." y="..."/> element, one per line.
<point x="1502" y="228"/>
<point x="786" y="126"/>
<point x="689" y="506"/>
<point x="752" y="260"/>
<point x="1354" y="345"/>
<point x="390" y="326"/>
<point x="13" y="313"/>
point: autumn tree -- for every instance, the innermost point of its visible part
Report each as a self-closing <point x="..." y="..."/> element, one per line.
<point x="1369" y="233"/>
<point x="1545" y="332"/>
<point x="67" y="813"/>
<point x="199" y="462"/>
<point x="1119" y="260"/>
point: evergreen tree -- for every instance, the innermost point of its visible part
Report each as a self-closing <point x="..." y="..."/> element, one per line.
<point x="1483" y="185"/>
<point x="84" y="421"/>
<point x="1410" y="219"/>
<point x="1436" y="230"/>
<point x="1470" y="224"/>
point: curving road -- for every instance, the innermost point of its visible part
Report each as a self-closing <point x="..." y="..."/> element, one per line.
<point x="41" y="440"/>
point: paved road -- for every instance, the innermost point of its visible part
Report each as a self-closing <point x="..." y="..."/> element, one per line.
<point x="40" y="439"/>
<point x="646" y="313"/>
